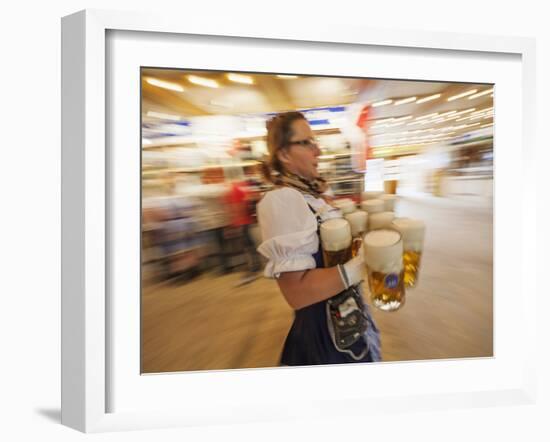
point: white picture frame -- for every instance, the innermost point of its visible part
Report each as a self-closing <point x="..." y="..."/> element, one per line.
<point x="86" y="356"/>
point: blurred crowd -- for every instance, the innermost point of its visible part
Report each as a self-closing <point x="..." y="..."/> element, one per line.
<point x="210" y="228"/>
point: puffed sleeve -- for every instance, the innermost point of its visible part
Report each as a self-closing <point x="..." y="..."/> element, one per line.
<point x="289" y="232"/>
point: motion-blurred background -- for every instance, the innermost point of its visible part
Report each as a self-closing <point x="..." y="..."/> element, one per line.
<point x="205" y="303"/>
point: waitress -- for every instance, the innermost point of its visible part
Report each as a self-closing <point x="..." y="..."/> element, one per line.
<point x="289" y="217"/>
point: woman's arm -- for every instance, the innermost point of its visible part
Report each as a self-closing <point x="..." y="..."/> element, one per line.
<point x="289" y="241"/>
<point x="308" y="287"/>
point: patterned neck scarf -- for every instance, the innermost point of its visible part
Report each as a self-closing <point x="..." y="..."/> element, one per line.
<point x="315" y="187"/>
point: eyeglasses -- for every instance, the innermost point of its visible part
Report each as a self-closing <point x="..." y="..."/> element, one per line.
<point x="306" y="143"/>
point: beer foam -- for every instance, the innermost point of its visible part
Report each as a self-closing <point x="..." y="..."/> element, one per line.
<point x="389" y="202"/>
<point x="383" y="251"/>
<point x="335" y="234"/>
<point x="371" y="194"/>
<point x="412" y="231"/>
<point x="327" y="212"/>
<point x="357" y="221"/>
<point x="381" y="220"/>
<point x="372" y="206"/>
<point x="346" y="205"/>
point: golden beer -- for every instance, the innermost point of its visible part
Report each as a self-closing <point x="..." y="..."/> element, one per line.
<point x="332" y="258"/>
<point x="412" y="231"/>
<point x="335" y="241"/>
<point x="384" y="259"/>
<point x="383" y="297"/>
<point x="411" y="261"/>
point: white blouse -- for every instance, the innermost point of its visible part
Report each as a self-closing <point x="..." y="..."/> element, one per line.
<point x="289" y="229"/>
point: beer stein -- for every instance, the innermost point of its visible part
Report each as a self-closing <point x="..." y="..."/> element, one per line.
<point x="372" y="206"/>
<point x="384" y="260"/>
<point x="358" y="224"/>
<point x="381" y="220"/>
<point x="389" y="202"/>
<point x="371" y="194"/>
<point x="335" y="241"/>
<point x="412" y="232"/>
<point x="346" y="205"/>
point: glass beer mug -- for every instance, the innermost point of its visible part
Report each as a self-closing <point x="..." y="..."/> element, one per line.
<point x="335" y="241"/>
<point x="346" y="205"/>
<point x="389" y="202"/>
<point x="371" y="194"/>
<point x="384" y="260"/>
<point x="380" y="220"/>
<point x="412" y="232"/>
<point x="358" y="224"/>
<point x="372" y="206"/>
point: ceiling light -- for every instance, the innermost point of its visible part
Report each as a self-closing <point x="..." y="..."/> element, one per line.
<point x="480" y="94"/>
<point x="475" y="117"/>
<point x="201" y="81"/>
<point x="448" y="113"/>
<point x="163" y="116"/>
<point x="487" y="109"/>
<point x="239" y="78"/>
<point x="404" y="101"/>
<point x="466" y="111"/>
<point x="382" y="103"/>
<point x="164" y="84"/>
<point x="435" y="114"/>
<point x="463" y="94"/>
<point x="287" y="77"/>
<point x="430" y="98"/>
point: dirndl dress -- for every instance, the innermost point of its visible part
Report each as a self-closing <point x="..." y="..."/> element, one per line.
<point x="309" y="341"/>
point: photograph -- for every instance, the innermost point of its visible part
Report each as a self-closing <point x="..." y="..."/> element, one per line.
<point x="300" y="220"/>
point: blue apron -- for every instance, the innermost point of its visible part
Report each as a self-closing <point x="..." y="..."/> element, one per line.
<point x="309" y="341"/>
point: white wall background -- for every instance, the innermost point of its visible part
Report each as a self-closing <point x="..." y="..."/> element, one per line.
<point x="30" y="215"/>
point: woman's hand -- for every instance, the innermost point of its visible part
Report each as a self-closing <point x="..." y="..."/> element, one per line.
<point x="354" y="270"/>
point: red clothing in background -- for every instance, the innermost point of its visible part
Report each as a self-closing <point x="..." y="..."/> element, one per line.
<point x="237" y="198"/>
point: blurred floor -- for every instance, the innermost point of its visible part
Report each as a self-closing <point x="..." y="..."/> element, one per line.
<point x="211" y="323"/>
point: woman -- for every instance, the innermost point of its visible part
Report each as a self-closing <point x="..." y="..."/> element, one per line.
<point x="289" y="218"/>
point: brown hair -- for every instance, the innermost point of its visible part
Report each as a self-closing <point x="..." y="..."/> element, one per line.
<point x="279" y="132"/>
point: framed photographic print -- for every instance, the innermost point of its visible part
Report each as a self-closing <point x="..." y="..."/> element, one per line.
<point x="174" y="309"/>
